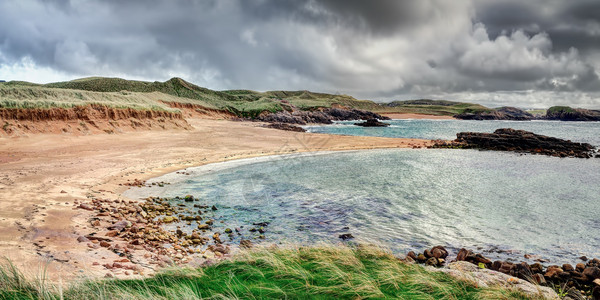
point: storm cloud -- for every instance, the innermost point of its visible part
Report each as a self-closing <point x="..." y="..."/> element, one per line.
<point x="528" y="54"/>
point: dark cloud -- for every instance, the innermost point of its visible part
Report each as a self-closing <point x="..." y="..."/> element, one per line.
<point x="382" y="49"/>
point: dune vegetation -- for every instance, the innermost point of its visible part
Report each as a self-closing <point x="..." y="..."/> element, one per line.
<point x="121" y="93"/>
<point x="320" y="272"/>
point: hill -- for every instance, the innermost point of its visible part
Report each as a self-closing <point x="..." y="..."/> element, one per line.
<point x="433" y="107"/>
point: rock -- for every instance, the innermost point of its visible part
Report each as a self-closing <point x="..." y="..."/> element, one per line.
<point x="592" y="273"/>
<point x="427" y="253"/>
<point x="228" y="230"/>
<point x="412" y="255"/>
<point x="568" y="268"/>
<point x="462" y="254"/>
<point x="565" y="113"/>
<point x="553" y="272"/>
<point x="505" y="267"/>
<point x="247" y="244"/>
<point x="580" y="267"/>
<point x="596" y="292"/>
<point x="346" y="236"/>
<point x="218" y="249"/>
<point x="188" y="198"/>
<point x="507" y="139"/>
<point x="439" y="252"/>
<point x="537" y="268"/>
<point x="112" y="233"/>
<point x="286" y="127"/>
<point x="169" y="219"/>
<point x="432" y="261"/>
<point x="214" y="207"/>
<point x="593" y="263"/>
<point x="538" y="278"/>
<point x="320" y="116"/>
<point x="421" y="258"/>
<point x="372" y="123"/>
<point x="119" y="226"/>
<point x="464" y="270"/>
<point x="86" y="206"/>
<point x="203" y="226"/>
<point x="265" y="224"/>
<point x="217" y="238"/>
<point x="596" y="282"/>
<point x="521" y="270"/>
<point x="104" y="244"/>
<point x="584" y="258"/>
<point x="82" y="239"/>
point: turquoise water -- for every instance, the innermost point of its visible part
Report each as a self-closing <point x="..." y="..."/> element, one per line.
<point x="496" y="202"/>
<point x="588" y="132"/>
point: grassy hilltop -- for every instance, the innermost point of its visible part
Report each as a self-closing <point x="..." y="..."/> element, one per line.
<point x="121" y="93"/>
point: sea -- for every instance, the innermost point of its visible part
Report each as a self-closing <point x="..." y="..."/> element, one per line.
<point x="508" y="206"/>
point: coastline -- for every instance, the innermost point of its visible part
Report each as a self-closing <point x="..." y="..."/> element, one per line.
<point x="43" y="176"/>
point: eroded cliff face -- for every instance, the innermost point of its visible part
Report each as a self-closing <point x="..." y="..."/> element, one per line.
<point x="90" y="119"/>
<point x="194" y="110"/>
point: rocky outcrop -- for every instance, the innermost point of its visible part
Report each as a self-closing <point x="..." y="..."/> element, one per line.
<point x="565" y="113"/>
<point x="582" y="280"/>
<point x="286" y="127"/>
<point x="322" y="116"/>
<point x="508" y="139"/>
<point x="372" y="123"/>
<point x="503" y="113"/>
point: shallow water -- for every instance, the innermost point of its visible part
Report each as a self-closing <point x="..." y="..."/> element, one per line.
<point x="408" y="199"/>
<point x="587" y="132"/>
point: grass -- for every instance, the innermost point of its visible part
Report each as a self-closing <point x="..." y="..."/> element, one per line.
<point x="435" y="107"/>
<point x="321" y="272"/>
<point x="121" y="93"/>
<point x="560" y="109"/>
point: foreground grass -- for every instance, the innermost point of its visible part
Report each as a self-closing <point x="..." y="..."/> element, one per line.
<point x="302" y="273"/>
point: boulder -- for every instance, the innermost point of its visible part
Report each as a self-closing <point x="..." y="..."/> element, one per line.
<point x="592" y="273"/>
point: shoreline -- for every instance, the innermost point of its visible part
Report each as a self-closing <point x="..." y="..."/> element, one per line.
<point x="45" y="176"/>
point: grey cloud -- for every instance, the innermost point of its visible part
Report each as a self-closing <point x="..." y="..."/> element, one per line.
<point x="382" y="49"/>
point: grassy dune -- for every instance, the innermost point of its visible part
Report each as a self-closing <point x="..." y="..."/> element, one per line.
<point x="121" y="93"/>
<point x="303" y="273"/>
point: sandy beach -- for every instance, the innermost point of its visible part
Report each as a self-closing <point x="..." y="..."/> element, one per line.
<point x="43" y="176"/>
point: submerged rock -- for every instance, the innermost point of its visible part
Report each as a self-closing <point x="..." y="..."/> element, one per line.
<point x="346" y="236"/>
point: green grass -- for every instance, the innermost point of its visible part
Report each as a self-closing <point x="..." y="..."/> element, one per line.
<point x="558" y="109"/>
<point x="324" y="272"/>
<point x="434" y="107"/>
<point x="121" y="93"/>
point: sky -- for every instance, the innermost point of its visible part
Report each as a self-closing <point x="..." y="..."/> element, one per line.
<point x="529" y="54"/>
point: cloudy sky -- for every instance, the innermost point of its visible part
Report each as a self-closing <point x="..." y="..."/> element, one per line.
<point x="529" y="54"/>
